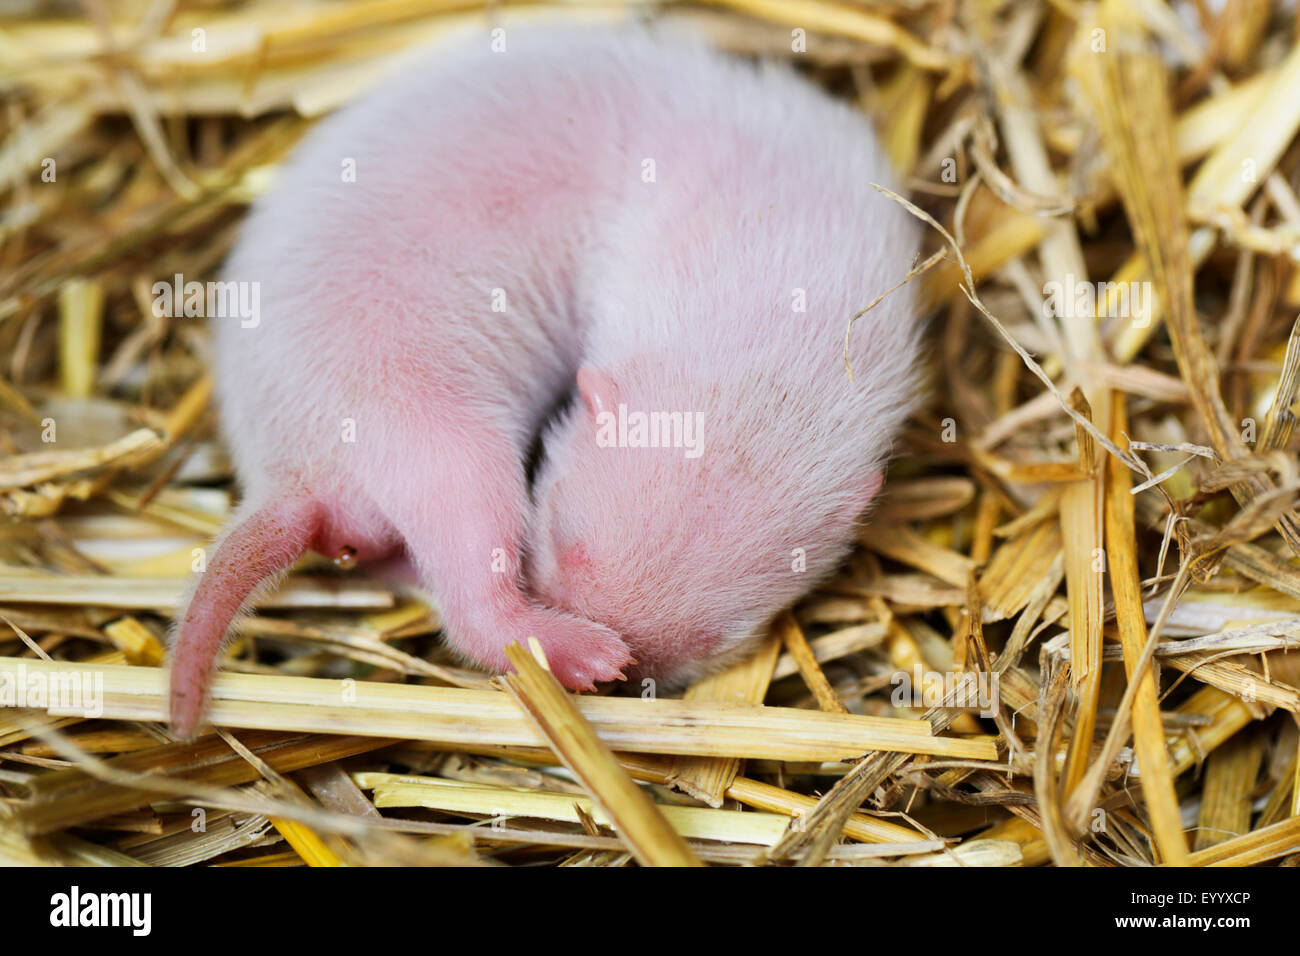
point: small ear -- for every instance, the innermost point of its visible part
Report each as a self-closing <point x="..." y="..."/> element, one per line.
<point x="598" y="390"/>
<point x="869" y="485"/>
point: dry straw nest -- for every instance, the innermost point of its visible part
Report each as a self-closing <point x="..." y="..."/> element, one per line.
<point x="1096" y="509"/>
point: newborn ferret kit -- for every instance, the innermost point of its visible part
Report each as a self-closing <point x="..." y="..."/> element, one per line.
<point x="570" y="346"/>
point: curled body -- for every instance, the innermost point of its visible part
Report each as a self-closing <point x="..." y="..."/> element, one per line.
<point x="623" y="226"/>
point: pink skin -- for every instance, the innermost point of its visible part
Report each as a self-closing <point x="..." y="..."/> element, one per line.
<point x="688" y="560"/>
<point x="267" y="543"/>
<point x="502" y="244"/>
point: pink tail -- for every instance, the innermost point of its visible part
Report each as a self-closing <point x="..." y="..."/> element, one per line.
<point x="265" y="543"/>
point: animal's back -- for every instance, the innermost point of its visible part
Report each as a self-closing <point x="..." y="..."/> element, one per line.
<point x="485" y="181"/>
<point x="422" y="244"/>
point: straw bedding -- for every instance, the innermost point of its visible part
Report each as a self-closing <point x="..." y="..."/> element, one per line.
<point x="1093" y="520"/>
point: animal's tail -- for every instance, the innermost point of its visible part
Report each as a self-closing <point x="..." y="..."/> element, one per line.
<point x="258" y="544"/>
